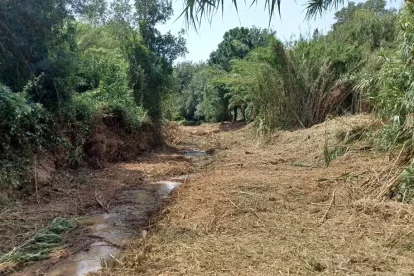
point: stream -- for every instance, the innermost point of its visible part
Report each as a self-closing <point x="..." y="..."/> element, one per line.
<point x="116" y="227"/>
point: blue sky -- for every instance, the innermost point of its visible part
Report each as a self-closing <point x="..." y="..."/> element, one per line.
<point x="291" y="23"/>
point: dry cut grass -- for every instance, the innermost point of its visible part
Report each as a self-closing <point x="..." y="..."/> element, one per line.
<point x="276" y="209"/>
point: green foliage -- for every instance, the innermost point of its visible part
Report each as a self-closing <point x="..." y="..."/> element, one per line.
<point x="193" y="95"/>
<point x="38" y="247"/>
<point x="298" y="86"/>
<point x="330" y="154"/>
<point x="278" y="87"/>
<point x="105" y="78"/>
<point x="405" y="188"/>
<point x="24" y="130"/>
<point x="265" y="83"/>
<point x="199" y="94"/>
<point x="202" y="93"/>
<point x="38" y="42"/>
<point x="94" y="12"/>
<point x="90" y="105"/>
<point x="71" y="63"/>
<point x="330" y="66"/>
<point x="213" y="105"/>
<point x="150" y="55"/>
<point x="178" y="96"/>
<point x="237" y="43"/>
<point x="388" y="81"/>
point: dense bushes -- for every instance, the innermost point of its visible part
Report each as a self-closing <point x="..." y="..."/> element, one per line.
<point x="68" y="65"/>
<point x="24" y="130"/>
<point x="264" y="84"/>
<point x="294" y="85"/>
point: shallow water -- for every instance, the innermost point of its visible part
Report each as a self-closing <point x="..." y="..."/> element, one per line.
<point x="113" y="230"/>
<point x="107" y="227"/>
<point x="85" y="261"/>
<point x="194" y="153"/>
<point x="164" y="188"/>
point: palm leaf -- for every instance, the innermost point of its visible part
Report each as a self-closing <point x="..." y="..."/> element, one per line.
<point x="315" y="7"/>
<point x="196" y="10"/>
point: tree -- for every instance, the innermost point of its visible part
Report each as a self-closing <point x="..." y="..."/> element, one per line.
<point x="151" y="55"/>
<point x="38" y="45"/>
<point x="237" y="43"/>
<point x="94" y="12"/>
<point x="347" y="14"/>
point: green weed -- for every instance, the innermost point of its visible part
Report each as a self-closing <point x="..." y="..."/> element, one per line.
<point x="405" y="188"/>
<point x="39" y="247"/>
<point x="330" y="155"/>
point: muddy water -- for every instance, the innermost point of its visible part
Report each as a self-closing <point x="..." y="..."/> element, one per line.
<point x="194" y="153"/>
<point x="113" y="229"/>
<point x="85" y="261"/>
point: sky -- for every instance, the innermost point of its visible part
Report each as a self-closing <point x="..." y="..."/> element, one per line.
<point x="290" y="24"/>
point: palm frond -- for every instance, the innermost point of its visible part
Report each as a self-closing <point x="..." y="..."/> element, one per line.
<point x="196" y="10"/>
<point x="317" y="7"/>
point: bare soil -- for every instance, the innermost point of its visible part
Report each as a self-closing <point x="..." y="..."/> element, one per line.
<point x="274" y="208"/>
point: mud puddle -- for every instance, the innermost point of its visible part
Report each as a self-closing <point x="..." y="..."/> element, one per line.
<point x="112" y="230"/>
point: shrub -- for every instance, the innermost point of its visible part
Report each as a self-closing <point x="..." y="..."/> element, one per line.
<point x="23" y="128"/>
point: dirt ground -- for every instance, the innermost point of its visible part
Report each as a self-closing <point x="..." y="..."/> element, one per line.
<point x="256" y="207"/>
<point x="78" y="193"/>
<point x="274" y="208"/>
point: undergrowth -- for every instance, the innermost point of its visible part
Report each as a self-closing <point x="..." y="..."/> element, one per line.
<point x="23" y="129"/>
<point x="28" y="129"/>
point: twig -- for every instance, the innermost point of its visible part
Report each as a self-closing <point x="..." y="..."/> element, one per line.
<point x="390" y="184"/>
<point x="247" y="193"/>
<point x="297" y="118"/>
<point x="234" y="204"/>
<point x="329" y="207"/>
<point x="254" y="213"/>
<point x="398" y="157"/>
